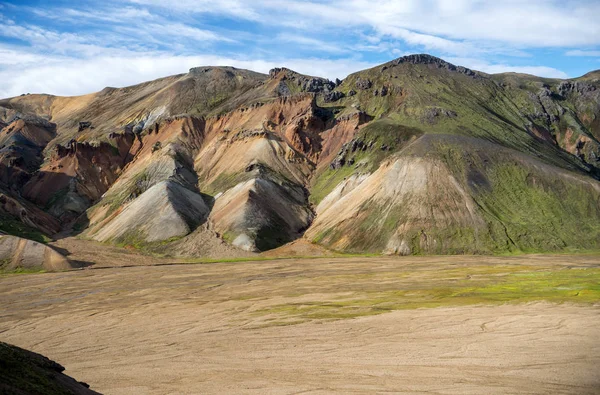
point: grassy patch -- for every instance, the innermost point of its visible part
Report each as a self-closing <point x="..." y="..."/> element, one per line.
<point x="539" y="212"/>
<point x="327" y="181"/>
<point x="458" y="287"/>
<point x="223" y="182"/>
<point x="20" y="270"/>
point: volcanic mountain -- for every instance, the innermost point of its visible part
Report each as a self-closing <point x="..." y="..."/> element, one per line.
<point x="415" y="156"/>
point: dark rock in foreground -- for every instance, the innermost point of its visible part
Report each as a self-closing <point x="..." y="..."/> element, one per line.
<point x="25" y="372"/>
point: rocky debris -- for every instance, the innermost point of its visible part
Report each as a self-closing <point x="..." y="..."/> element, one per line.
<point x="432" y="113"/>
<point x="381" y="92"/>
<point x="84" y="125"/>
<point x="432" y="60"/>
<point x="332" y="96"/>
<point x="338" y="82"/>
<point x="343" y="157"/>
<point x="363" y="84"/>
<point x="352" y="92"/>
<point x="18" y="253"/>
<point x="247" y="134"/>
<point x="25" y="372"/>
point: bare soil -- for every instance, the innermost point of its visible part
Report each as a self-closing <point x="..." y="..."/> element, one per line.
<point x="227" y="328"/>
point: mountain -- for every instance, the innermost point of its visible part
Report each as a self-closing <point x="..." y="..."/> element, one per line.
<point x="413" y="156"/>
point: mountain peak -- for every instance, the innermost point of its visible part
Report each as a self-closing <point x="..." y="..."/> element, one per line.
<point x="426" y="59"/>
<point x="420" y="59"/>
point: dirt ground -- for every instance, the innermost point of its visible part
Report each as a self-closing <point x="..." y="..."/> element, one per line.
<point x="315" y="325"/>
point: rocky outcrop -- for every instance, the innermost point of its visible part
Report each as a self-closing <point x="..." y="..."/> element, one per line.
<point x="425" y="59"/>
<point x="301" y="82"/>
<point x="432" y="114"/>
<point x="78" y="174"/>
<point x="22" y="143"/>
<point x="567" y="87"/>
<point x="25" y="372"/>
<point x="363" y="84"/>
<point x="333" y="96"/>
<point x="84" y="125"/>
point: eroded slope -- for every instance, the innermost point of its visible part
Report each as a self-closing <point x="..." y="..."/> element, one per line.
<point x="413" y="156"/>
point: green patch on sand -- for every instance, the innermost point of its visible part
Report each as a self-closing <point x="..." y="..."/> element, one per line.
<point x="454" y="287"/>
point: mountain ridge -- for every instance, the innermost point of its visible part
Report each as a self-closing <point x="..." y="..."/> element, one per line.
<point x="271" y="155"/>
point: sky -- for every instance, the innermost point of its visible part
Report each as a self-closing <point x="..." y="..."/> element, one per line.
<point x="74" y="47"/>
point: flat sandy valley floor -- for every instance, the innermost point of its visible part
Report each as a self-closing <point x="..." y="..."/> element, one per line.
<point x="438" y="325"/>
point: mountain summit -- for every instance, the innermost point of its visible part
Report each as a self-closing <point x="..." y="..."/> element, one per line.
<point x="415" y="156"/>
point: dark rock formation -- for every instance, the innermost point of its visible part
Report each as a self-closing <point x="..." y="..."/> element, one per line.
<point x="332" y="96"/>
<point x="432" y="60"/>
<point x="84" y="125"/>
<point x="25" y="372"/>
<point x="434" y="112"/>
<point x="363" y="83"/>
<point x="567" y="87"/>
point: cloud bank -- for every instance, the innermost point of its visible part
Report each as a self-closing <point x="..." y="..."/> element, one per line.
<point x="82" y="46"/>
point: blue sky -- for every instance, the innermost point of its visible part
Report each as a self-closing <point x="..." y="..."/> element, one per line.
<point x="76" y="47"/>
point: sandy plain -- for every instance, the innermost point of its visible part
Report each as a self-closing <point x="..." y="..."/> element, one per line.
<point x="435" y="325"/>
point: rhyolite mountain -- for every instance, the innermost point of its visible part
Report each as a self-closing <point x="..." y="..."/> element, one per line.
<point x="413" y="156"/>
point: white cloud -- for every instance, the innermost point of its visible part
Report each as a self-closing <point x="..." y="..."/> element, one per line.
<point x="181" y="30"/>
<point x="542" y="23"/>
<point x="491" y="68"/>
<point x="238" y="8"/>
<point x="430" y="42"/>
<point x="578" y="52"/>
<point x="113" y="14"/>
<point x="130" y="41"/>
<point x="311" y="43"/>
<point x="80" y="76"/>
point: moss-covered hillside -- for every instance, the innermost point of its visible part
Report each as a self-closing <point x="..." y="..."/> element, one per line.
<point x="414" y="156"/>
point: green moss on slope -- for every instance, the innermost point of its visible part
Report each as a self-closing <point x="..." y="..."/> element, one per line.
<point x="14" y="227"/>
